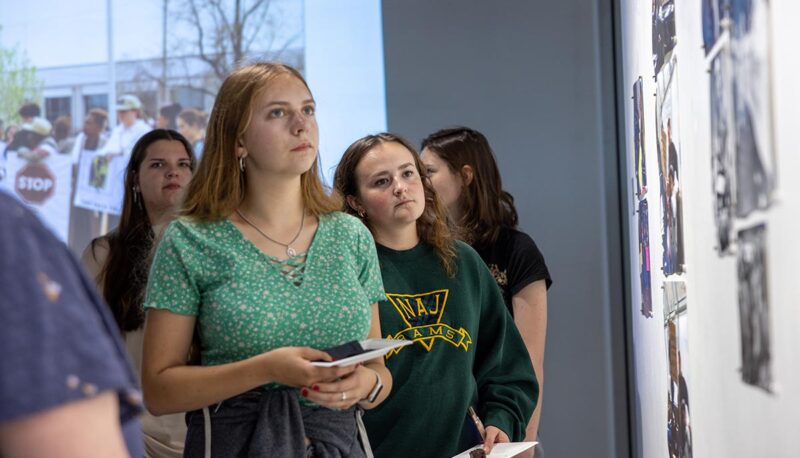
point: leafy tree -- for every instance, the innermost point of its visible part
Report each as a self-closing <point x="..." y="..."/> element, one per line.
<point x="18" y="82"/>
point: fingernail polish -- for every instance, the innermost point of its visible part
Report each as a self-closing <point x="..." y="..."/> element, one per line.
<point x="315" y="387"/>
<point x="304" y="392"/>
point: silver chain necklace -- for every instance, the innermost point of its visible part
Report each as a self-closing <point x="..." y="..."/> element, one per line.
<point x="291" y="252"/>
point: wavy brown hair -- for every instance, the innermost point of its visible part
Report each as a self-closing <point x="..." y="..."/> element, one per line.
<point x="218" y="186"/>
<point x="123" y="276"/>
<point x="487" y="207"/>
<point x="431" y="225"/>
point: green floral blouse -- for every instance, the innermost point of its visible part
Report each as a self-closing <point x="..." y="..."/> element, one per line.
<point x="246" y="306"/>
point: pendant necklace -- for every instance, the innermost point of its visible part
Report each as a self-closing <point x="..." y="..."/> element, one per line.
<point x="290" y="252"/>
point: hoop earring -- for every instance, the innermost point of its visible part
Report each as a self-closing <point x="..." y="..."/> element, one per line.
<point x="362" y="214"/>
<point x="136" y="199"/>
<point x="241" y="164"/>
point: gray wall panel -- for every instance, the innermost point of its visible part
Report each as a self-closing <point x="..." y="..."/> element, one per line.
<point x="529" y="75"/>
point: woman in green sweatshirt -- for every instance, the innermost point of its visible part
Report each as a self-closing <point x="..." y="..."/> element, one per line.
<point x="439" y="293"/>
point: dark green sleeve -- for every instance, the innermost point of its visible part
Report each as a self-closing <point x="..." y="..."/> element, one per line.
<point x="507" y="387"/>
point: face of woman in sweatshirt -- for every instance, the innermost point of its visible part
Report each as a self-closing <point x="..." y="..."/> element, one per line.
<point x="390" y="189"/>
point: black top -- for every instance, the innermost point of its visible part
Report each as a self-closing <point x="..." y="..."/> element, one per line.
<point x="515" y="262"/>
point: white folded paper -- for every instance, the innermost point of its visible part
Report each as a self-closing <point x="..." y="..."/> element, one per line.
<point x="503" y="450"/>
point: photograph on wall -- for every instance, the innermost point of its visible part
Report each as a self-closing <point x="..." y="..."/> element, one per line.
<point x="644" y="260"/>
<point x="722" y="147"/>
<point x="638" y="140"/>
<point x="667" y="134"/>
<point x="679" y="426"/>
<point x="752" y="104"/>
<point x="663" y="32"/>
<point x="713" y="11"/>
<point x="754" y="307"/>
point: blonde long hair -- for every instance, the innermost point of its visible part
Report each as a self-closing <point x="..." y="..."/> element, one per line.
<point x="218" y="186"/>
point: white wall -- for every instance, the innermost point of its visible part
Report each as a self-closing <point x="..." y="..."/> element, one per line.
<point x="728" y="418"/>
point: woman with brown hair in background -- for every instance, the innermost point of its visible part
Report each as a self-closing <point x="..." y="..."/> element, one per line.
<point x="158" y="172"/>
<point x="462" y="168"/>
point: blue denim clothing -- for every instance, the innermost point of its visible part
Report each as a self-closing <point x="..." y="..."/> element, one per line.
<point x="58" y="340"/>
<point x="272" y="423"/>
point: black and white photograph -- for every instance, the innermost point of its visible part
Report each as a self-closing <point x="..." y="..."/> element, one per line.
<point x="667" y="135"/>
<point x="722" y="147"/>
<point x="644" y="260"/>
<point x="679" y="425"/>
<point x="754" y="307"/>
<point x="752" y="104"/>
<point x="638" y="140"/>
<point x="663" y="32"/>
<point x="714" y="13"/>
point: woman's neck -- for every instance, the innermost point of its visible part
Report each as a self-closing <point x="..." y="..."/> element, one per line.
<point x="455" y="212"/>
<point x="159" y="217"/>
<point x="274" y="202"/>
<point x="91" y="142"/>
<point x="399" y="239"/>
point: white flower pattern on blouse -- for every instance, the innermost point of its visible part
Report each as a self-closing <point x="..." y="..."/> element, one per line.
<point x="245" y="306"/>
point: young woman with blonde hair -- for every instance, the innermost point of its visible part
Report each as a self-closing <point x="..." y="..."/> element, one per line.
<point x="265" y="271"/>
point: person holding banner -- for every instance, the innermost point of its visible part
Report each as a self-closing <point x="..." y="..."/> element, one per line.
<point x="158" y="172"/>
<point x="85" y="222"/>
<point x="266" y="271"/>
<point x="129" y="129"/>
<point x="39" y="176"/>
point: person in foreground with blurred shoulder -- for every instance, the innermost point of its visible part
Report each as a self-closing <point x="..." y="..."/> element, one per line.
<point x="467" y="351"/>
<point x="265" y="271"/>
<point x="463" y="170"/>
<point x="67" y="389"/>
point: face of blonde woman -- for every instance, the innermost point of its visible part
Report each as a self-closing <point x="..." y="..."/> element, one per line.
<point x="282" y="137"/>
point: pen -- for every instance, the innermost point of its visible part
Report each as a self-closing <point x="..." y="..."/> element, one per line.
<point x="478" y="422"/>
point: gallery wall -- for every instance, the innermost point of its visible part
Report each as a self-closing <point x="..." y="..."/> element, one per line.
<point x="537" y="79"/>
<point x="710" y="103"/>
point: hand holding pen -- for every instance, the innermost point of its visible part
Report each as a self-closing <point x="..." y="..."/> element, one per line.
<point x="491" y="435"/>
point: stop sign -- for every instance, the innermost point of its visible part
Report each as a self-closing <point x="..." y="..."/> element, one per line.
<point x="35" y="183"/>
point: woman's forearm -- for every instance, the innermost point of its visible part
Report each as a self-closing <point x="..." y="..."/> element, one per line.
<point x="530" y="316"/>
<point x="185" y="388"/>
